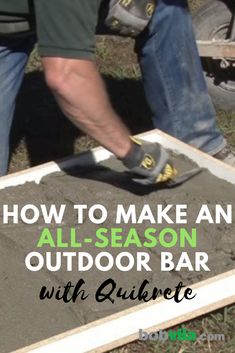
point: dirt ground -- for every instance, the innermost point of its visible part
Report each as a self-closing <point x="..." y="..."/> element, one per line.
<point x="41" y="133"/>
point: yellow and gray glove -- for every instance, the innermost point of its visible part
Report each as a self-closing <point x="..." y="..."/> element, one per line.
<point x="129" y="17"/>
<point x="150" y="161"/>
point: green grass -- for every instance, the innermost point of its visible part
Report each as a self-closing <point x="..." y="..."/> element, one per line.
<point x="222" y="321"/>
<point x="226" y="122"/>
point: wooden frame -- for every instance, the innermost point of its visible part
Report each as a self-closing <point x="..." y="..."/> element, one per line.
<point x="122" y="328"/>
<point x="216" y="49"/>
<point x="96" y="155"/>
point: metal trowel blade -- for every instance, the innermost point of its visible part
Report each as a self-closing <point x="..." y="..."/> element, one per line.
<point x="178" y="180"/>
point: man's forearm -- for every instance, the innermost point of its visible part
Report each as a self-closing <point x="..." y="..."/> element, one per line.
<point x="80" y="92"/>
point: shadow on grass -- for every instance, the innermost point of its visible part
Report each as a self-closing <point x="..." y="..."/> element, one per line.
<point x="49" y="135"/>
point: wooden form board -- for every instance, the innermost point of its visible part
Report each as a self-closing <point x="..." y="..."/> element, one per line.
<point x="123" y="327"/>
<point x="216" y="48"/>
<point x="218" y="168"/>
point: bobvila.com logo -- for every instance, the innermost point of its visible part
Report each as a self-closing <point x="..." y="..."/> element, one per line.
<point x="181" y="334"/>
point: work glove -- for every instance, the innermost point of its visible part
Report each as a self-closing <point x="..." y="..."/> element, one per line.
<point x="129" y="17"/>
<point x="150" y="161"/>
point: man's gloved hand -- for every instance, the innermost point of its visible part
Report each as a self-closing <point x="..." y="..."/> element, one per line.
<point x="129" y="17"/>
<point x="150" y="161"/>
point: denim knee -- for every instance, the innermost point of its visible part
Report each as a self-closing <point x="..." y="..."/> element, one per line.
<point x="173" y="79"/>
<point x="14" y="54"/>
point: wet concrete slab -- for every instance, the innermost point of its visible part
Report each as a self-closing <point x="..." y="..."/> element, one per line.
<point x="26" y="319"/>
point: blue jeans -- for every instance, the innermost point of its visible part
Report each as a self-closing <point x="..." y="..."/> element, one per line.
<point x="14" y="53"/>
<point x="173" y="79"/>
<point x="172" y="76"/>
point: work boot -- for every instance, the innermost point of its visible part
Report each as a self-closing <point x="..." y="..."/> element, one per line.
<point x="226" y="155"/>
